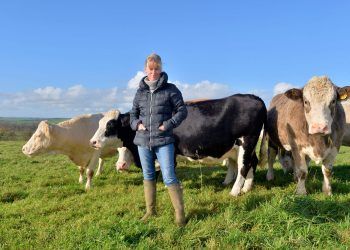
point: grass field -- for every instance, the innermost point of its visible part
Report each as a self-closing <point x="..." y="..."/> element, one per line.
<point x="42" y="206"/>
<point x="21" y="129"/>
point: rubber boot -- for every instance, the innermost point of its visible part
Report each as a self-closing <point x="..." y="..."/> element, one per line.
<point x="176" y="197"/>
<point x="150" y="198"/>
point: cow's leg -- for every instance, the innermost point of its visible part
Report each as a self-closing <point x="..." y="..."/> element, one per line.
<point x="327" y="167"/>
<point x="271" y="154"/>
<point x="245" y="157"/>
<point x="231" y="165"/>
<point x="81" y="172"/>
<point x="236" y="189"/>
<point x="301" y="170"/>
<point x="327" y="174"/>
<point x="248" y="184"/>
<point x="286" y="160"/>
<point x="100" y="166"/>
<point x="91" y="168"/>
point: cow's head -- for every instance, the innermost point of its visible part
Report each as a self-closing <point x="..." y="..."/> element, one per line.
<point x="40" y="140"/>
<point x="320" y="98"/>
<point x="107" y="132"/>
<point x="125" y="159"/>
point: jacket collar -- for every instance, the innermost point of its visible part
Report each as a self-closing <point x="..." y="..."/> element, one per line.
<point x="163" y="80"/>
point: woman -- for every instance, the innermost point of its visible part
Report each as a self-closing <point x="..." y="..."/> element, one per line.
<point x="158" y="107"/>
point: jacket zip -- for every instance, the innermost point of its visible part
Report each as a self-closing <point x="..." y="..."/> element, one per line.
<point x="150" y="118"/>
<point x="150" y="122"/>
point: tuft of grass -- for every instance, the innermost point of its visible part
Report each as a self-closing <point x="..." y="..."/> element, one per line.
<point x="42" y="205"/>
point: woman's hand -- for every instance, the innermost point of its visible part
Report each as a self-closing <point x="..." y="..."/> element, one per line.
<point x="141" y="127"/>
<point x="161" y="128"/>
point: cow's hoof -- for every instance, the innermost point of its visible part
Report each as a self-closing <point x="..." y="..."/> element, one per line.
<point x="327" y="190"/>
<point x="270" y="176"/>
<point x="301" y="191"/>
<point x="247" y="189"/>
<point x="97" y="173"/>
<point x="235" y="193"/>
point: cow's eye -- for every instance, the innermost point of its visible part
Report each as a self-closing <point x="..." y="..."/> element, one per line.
<point x="306" y="102"/>
<point x="333" y="102"/>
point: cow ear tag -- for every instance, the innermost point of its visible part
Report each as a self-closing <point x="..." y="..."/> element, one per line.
<point x="343" y="96"/>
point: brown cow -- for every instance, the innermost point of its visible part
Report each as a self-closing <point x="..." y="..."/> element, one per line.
<point x="307" y="124"/>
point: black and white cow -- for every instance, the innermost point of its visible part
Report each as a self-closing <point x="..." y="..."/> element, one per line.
<point x="118" y="132"/>
<point x="212" y="128"/>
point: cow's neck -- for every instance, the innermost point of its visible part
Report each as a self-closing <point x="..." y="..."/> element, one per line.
<point x="63" y="142"/>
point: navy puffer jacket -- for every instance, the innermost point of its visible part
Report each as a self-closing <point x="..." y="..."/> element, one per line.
<point x="164" y="106"/>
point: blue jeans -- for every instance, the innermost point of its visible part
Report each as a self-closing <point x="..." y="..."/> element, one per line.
<point x="165" y="156"/>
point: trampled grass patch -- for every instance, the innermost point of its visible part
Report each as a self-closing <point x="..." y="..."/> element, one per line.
<point x="42" y="205"/>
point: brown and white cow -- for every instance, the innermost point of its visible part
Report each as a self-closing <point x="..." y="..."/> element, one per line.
<point x="306" y="124"/>
<point x="286" y="158"/>
<point x="71" y="138"/>
<point x="346" y="106"/>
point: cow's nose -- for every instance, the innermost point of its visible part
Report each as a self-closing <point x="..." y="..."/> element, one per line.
<point x="23" y="149"/>
<point x="93" y="142"/>
<point x="121" y="165"/>
<point x="319" y="128"/>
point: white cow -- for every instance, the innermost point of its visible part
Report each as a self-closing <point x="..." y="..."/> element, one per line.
<point x="71" y="138"/>
<point x="125" y="159"/>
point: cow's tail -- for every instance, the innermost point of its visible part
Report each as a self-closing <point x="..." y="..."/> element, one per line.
<point x="263" y="149"/>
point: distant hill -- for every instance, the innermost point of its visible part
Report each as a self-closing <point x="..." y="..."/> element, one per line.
<point x="18" y="128"/>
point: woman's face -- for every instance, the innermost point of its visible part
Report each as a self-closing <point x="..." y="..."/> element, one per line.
<point x="153" y="71"/>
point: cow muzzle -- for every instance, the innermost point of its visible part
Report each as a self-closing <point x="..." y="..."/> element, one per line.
<point x="121" y="166"/>
<point x="95" y="144"/>
<point x="319" y="128"/>
<point x="27" y="151"/>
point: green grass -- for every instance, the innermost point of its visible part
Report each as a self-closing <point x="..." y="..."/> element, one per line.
<point x="19" y="129"/>
<point x="43" y="206"/>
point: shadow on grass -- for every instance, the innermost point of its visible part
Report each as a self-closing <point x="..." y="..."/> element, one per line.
<point x="198" y="176"/>
<point x="215" y="175"/>
<point x="318" y="211"/>
<point x="254" y="201"/>
<point x="10" y="197"/>
<point x="132" y="238"/>
<point x="199" y="213"/>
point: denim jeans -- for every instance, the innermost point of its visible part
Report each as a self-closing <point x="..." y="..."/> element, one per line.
<point x="165" y="156"/>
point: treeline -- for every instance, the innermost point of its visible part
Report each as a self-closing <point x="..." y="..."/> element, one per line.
<point x="21" y="129"/>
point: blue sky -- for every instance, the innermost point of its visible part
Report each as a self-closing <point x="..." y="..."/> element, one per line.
<point x="66" y="58"/>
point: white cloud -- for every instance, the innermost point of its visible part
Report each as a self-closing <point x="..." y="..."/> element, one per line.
<point x="203" y="89"/>
<point x="52" y="101"/>
<point x="76" y="91"/>
<point x="49" y="93"/>
<point x="282" y="87"/>
<point x="134" y="82"/>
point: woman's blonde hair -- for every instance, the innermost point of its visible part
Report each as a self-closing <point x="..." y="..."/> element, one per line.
<point x="154" y="59"/>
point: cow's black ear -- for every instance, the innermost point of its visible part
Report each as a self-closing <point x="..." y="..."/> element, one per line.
<point x="125" y="119"/>
<point x="294" y="94"/>
<point x="343" y="93"/>
<point x="111" y="128"/>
